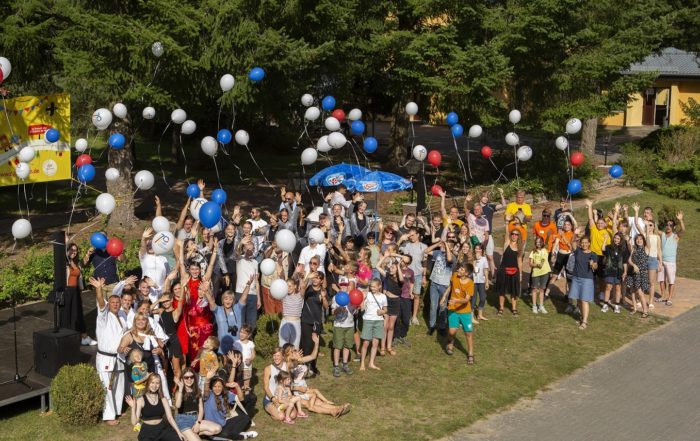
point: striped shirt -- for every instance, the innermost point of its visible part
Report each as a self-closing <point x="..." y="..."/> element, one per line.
<point x="292" y="305"/>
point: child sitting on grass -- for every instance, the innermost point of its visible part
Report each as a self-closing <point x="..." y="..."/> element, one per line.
<point x="284" y="398"/>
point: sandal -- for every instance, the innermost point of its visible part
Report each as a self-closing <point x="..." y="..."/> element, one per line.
<point x="382" y="352"/>
<point x="500" y="312"/>
<point x="449" y="350"/>
<point x="583" y="325"/>
<point x="470" y="359"/>
<point x="515" y="312"/>
<point x="645" y="315"/>
<point x="391" y="351"/>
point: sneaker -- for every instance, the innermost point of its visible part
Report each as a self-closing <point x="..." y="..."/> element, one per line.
<point x="399" y="341"/>
<point x="534" y="309"/>
<point x="431" y="331"/>
<point x="616" y="309"/>
<point x="346" y="369"/>
<point x="87" y="341"/>
<point x="414" y="321"/>
<point x="357" y="358"/>
<point x="605" y="308"/>
<point x="569" y="309"/>
<point x="546" y="292"/>
<point x="542" y="310"/>
<point x="249" y="434"/>
<point x="651" y="306"/>
<point x="669" y="303"/>
<point x="336" y="371"/>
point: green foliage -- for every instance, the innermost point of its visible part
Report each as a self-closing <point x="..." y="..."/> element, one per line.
<point x="30" y="278"/>
<point x="77" y="395"/>
<point x="396" y="203"/>
<point x="267" y="336"/>
<point x="692" y="111"/>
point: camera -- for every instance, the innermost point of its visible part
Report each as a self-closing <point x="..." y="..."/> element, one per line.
<point x="233" y="330"/>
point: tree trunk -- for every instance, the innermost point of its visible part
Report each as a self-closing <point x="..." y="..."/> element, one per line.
<point x="589" y="134"/>
<point x="398" y="130"/>
<point x="122" y="189"/>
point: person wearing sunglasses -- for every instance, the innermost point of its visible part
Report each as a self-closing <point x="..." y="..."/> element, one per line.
<point x="190" y="408"/>
<point x="669" y="248"/>
<point x="71" y="311"/>
<point x="509" y="274"/>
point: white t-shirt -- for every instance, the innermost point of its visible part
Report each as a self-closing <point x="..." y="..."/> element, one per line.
<point x="481" y="267"/>
<point x="307" y="253"/>
<point x="259" y="239"/>
<point x="244" y="269"/>
<point x="635" y="228"/>
<point x="344" y="317"/>
<point x="374" y="302"/>
<point x="246" y="350"/>
<point x="155" y="267"/>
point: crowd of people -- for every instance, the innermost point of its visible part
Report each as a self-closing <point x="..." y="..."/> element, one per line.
<point x="176" y="338"/>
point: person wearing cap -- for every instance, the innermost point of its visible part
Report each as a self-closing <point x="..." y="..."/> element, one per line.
<point x="519" y="206"/>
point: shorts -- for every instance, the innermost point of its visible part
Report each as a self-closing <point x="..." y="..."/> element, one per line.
<point x="455" y="319"/>
<point x="266" y="401"/>
<point x="539" y="282"/>
<point x="653" y="263"/>
<point x="184" y="421"/>
<point x="668" y="275"/>
<point x="612" y="280"/>
<point x="393" y="307"/>
<point x="489" y="247"/>
<point x="343" y="337"/>
<point x="372" y="329"/>
<point x="418" y="285"/>
<point x="581" y="289"/>
<point x="560" y="262"/>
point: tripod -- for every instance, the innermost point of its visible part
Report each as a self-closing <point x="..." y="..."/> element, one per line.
<point x="17" y="379"/>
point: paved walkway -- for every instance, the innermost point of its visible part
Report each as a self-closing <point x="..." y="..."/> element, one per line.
<point x="648" y="390"/>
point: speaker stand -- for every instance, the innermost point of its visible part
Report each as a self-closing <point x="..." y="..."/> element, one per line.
<point x="17" y="379"/>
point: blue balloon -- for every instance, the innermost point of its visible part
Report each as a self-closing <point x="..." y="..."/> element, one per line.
<point x="193" y="191"/>
<point x="52" y="135"/>
<point x="452" y="119"/>
<point x="370" y="144"/>
<point x="574" y="186"/>
<point x="615" y="171"/>
<point x="117" y="141"/>
<point x="256" y="74"/>
<point x="328" y="103"/>
<point x="98" y="240"/>
<point x="218" y="196"/>
<point x="457" y="130"/>
<point x="224" y="136"/>
<point x="86" y="173"/>
<point x="209" y="214"/>
<point x="342" y="298"/>
<point x="357" y="127"/>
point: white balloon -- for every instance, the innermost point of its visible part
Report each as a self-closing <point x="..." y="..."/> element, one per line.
<point x="157" y="49"/>
<point x="512" y="139"/>
<point x="242" y="137"/>
<point x="316" y="235"/>
<point x="309" y="156"/>
<point x="226" y="82"/>
<point x="524" y="153"/>
<point x="216" y="228"/>
<point x="337" y="140"/>
<point x="209" y="145"/>
<point x="267" y="267"/>
<point x="22" y="170"/>
<point x="312" y="114"/>
<point x="162" y="242"/>
<point x="160" y="223"/>
<point x="195" y="206"/>
<point x="26" y="154"/>
<point x="21" y="228"/>
<point x="322" y="144"/>
<point x="148" y="112"/>
<point x="562" y="143"/>
<point x="307" y="99"/>
<point x="332" y="123"/>
<point x="101" y="118"/>
<point x="6" y="67"/>
<point x="355" y="115"/>
<point x="105" y="203"/>
<point x="475" y="131"/>
<point x="188" y="127"/>
<point x="514" y="116"/>
<point x="412" y="108"/>
<point x="178" y="116"/>
<point x="81" y="145"/>
<point x="119" y="110"/>
<point x="278" y="289"/>
<point x="420" y="153"/>
<point x="111" y="174"/>
<point x="144" y="180"/>
<point x="573" y="126"/>
<point x="286" y="240"/>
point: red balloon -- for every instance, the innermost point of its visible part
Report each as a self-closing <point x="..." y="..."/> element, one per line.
<point x="82" y="160"/>
<point x="339" y="114"/>
<point x="356" y="297"/>
<point x="114" y="247"/>
<point x="486" y="152"/>
<point x="577" y="159"/>
<point x="436" y="190"/>
<point x="434" y="158"/>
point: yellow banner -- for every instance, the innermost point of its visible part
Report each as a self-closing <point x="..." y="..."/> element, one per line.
<point x="29" y="118"/>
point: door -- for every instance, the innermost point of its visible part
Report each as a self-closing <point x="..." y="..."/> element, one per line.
<point x="649" y="107"/>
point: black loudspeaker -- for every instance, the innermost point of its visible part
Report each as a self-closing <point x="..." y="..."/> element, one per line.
<point x="53" y="350"/>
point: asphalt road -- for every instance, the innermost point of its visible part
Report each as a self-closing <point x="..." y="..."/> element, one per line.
<point x="647" y="391"/>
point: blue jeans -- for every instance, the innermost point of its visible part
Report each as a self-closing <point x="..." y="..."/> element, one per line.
<point x="438" y="314"/>
<point x="249" y="314"/>
<point x="479" y="291"/>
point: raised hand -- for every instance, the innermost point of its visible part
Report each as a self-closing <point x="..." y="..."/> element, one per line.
<point x="130" y="400"/>
<point x="148" y="232"/>
<point x="97" y="283"/>
<point x="635" y="207"/>
<point x="200" y="184"/>
<point x="679" y="215"/>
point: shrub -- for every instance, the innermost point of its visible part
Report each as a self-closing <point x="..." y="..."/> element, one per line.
<point x="78" y="395"/>
<point x="679" y="145"/>
<point x="266" y="338"/>
<point x="30" y="278"/>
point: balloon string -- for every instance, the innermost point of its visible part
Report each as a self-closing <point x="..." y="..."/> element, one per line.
<point x="182" y="149"/>
<point x="500" y="173"/>
<point x="304" y="132"/>
<point x="218" y="178"/>
<point x="233" y="113"/>
<point x="425" y="187"/>
<point x="352" y="140"/>
<point x="469" y="164"/>
<point x="19" y="202"/>
<point x="26" y="201"/>
<point x="357" y="159"/>
<point x="256" y="164"/>
<point x="155" y="72"/>
<point x="303" y="175"/>
<point x="461" y="165"/>
<point x="160" y="161"/>
<point x="84" y="228"/>
<point x="75" y="201"/>
<point x="218" y="118"/>
<point x="240" y="172"/>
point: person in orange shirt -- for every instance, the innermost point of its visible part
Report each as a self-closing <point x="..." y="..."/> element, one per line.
<point x="459" y="307"/>
<point x="516" y="223"/>
<point x="545" y="229"/>
<point x="561" y="244"/>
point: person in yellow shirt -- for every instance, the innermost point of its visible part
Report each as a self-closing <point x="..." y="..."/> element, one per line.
<point x="459" y="307"/>
<point x="519" y="206"/>
<point x="600" y="235"/>
<point x="452" y="218"/>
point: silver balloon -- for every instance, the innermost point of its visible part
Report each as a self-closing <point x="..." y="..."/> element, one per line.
<point x="157" y="49"/>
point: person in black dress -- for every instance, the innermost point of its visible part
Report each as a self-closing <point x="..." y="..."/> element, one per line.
<point x="71" y="311"/>
<point x="509" y="275"/>
<point x="311" y="315"/>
